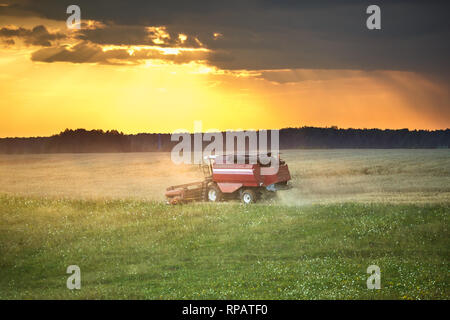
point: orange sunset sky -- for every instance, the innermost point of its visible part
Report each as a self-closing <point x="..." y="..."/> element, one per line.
<point x="141" y="73"/>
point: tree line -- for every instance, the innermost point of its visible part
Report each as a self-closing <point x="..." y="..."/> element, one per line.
<point x="84" y="141"/>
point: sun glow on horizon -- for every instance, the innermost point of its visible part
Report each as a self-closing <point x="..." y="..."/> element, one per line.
<point x="40" y="99"/>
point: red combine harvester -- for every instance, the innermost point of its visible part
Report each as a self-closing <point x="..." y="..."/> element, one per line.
<point x="226" y="180"/>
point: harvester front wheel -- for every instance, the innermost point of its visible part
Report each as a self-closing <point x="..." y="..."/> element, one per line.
<point x="214" y="194"/>
<point x="248" y="196"/>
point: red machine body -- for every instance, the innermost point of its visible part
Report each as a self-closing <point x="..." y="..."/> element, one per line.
<point x="231" y="177"/>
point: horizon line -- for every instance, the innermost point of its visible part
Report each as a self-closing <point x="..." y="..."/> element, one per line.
<point x="228" y="130"/>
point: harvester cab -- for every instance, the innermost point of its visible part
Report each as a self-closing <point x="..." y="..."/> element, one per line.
<point x="206" y="166"/>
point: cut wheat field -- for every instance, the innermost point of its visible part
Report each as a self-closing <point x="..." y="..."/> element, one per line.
<point x="319" y="176"/>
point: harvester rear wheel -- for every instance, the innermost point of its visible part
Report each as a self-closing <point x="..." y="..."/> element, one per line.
<point x="214" y="194"/>
<point x="248" y="196"/>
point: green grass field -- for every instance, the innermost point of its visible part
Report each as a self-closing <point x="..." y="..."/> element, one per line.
<point x="148" y="250"/>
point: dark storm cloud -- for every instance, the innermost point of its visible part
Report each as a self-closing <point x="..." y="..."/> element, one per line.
<point x="81" y="53"/>
<point x="9" y="42"/>
<point x="38" y="36"/>
<point x="131" y="35"/>
<point x="117" y="35"/>
<point x="85" y="52"/>
<point x="11" y="8"/>
<point x="278" y="34"/>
